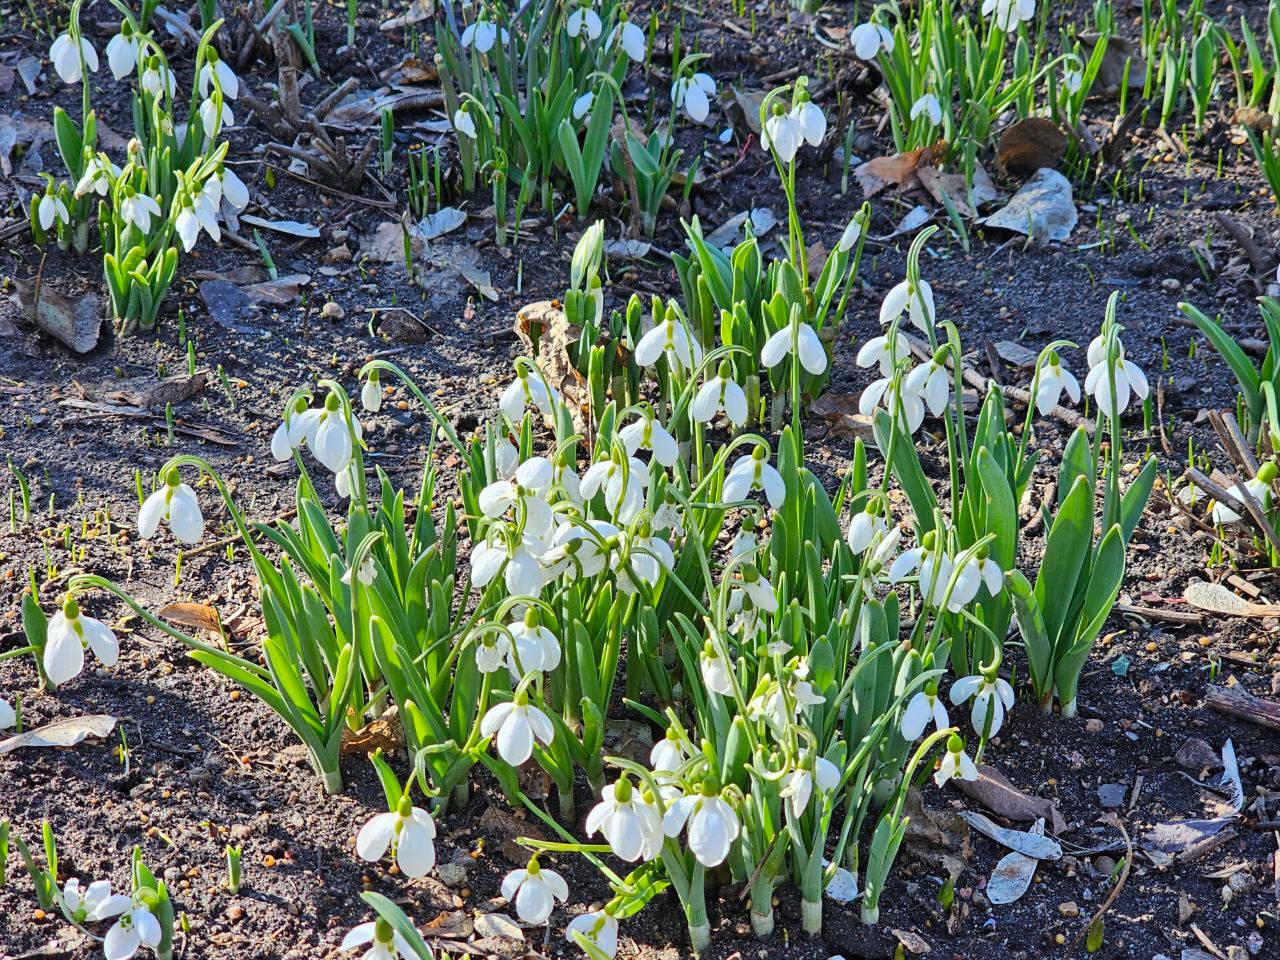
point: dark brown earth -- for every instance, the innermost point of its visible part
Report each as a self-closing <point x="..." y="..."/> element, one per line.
<point x="206" y="767"/>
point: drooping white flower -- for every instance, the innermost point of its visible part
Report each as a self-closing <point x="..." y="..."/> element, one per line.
<point x="927" y="106"/>
<point x="850" y="235"/>
<point x="463" y="123"/>
<point x="624" y="483"/>
<point x="883" y="351"/>
<point x="646" y="433"/>
<point x="368" y="570"/>
<point x="865" y="526"/>
<point x="387" y="942"/>
<point x="694" y="94"/>
<point x="631" y="37"/>
<point x="122" y="51"/>
<point x="932" y="564"/>
<point x="491" y="652"/>
<point x="800" y="783"/>
<point x="781" y="133"/>
<point x="93" y="904"/>
<point x="645" y="561"/>
<point x="582" y="105"/>
<point x="529" y="390"/>
<point x="196" y="214"/>
<point x="157" y="78"/>
<point x="66" y="58"/>
<point x="1054" y="380"/>
<point x="929" y="381"/>
<point x="175" y="503"/>
<point x="668" y="754"/>
<point x="136" y="927"/>
<point x="69" y="633"/>
<point x="716" y="672"/>
<point x="599" y="928"/>
<point x="869" y="39"/>
<point x="916" y="299"/>
<point x="8" y="716"/>
<point x="330" y="437"/>
<point x="97" y="177"/>
<point x="517" y="724"/>
<point x="410" y="833"/>
<point x="293" y="432"/>
<point x="810" y="121"/>
<point x="576" y="552"/>
<point x="525" y="493"/>
<point x="926" y="705"/>
<point x="955" y="763"/>
<point x="885" y="394"/>
<point x="1129" y="378"/>
<point x="534" y="891"/>
<point x="583" y="22"/>
<point x="753" y="473"/>
<point x="631" y="827"/>
<point x="482" y="35"/>
<point x="712" y="824"/>
<point x="990" y="693"/>
<point x="720" y="393"/>
<point x="138" y="209"/>
<point x="519" y="555"/>
<point x="754" y="589"/>
<point x="669" y="338"/>
<point x="1259" y="487"/>
<point x="1009" y="13"/>
<point x="50" y="209"/>
<point x="371" y="393"/>
<point x="211" y="118"/>
<point x="534" y="649"/>
<point x="797" y="338"/>
<point x="215" y="66"/>
<point x="1073" y="80"/>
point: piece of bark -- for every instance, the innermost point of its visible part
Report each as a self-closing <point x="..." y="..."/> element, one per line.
<point x="1236" y="702"/>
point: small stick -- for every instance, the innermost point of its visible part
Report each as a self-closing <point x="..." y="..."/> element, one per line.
<point x="1114" y="821"/>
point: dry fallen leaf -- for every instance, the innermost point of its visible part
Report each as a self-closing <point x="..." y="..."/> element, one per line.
<point x="383" y="734"/>
<point x="550" y="338"/>
<point x="194" y="616"/>
<point x="74" y="323"/>
<point x="1002" y="798"/>
<point x="1029" y="144"/>
<point x="61" y="733"/>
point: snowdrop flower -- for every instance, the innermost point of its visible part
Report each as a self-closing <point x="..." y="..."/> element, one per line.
<point x="1009" y="13"/>
<point x="517" y="724"/>
<point x="8" y="716"/>
<point x="869" y="39"/>
<point x="196" y="214"/>
<point x="368" y="569"/>
<point x="175" y="503"/>
<point x="644" y="563"/>
<point x="917" y="300"/>
<point x="576" y="553"/>
<point x="926" y="705"/>
<point x="66" y="58"/>
<point x="799" y="338"/>
<point x="630" y="36"/>
<point x="463" y="123"/>
<point x="780" y="705"/>
<point x="694" y="93"/>
<point x="534" y="647"/>
<point x="716" y="672"/>
<point x="534" y="890"/>
<point x="94" y="904"/>
<point x="69" y="633"/>
<point x="669" y="516"/>
<point x="757" y="589"/>
<point x="669" y="338"/>
<point x="801" y="780"/>
<point x="988" y="571"/>
<point x="720" y="393"/>
<point x="211" y="118"/>
<point x="668" y="754"/>
<point x="1259" y="488"/>
<point x="330" y="436"/>
<point x="711" y="821"/>
<point x="157" y="79"/>
<point x="865" y="527"/>
<point x="51" y="208"/>
<point x="1073" y="80"/>
<point x="138" y="209"/>
<point x="929" y="382"/>
<point x="520" y="556"/>
<point x="136" y="927"/>
<point x="932" y="564"/>
<point x="482" y="35"/>
<point x="647" y="433"/>
<point x="753" y="473"/>
<point x="928" y="106"/>
<point x="955" y="763"/>
<point x="881" y="550"/>
<point x="1055" y="379"/>
<point x="852" y="231"/>
<point x="525" y="493"/>
<point x="810" y="121"/>
<point x="371" y="392"/>
<point x="98" y="174"/>
<point x="387" y="942"/>
<point x="491" y="652"/>
<point x="624" y="484"/>
<point x="1129" y="378"/>
<point x="410" y="833"/>
<point x="884" y="351"/>
<point x="215" y="66"/>
<point x="599" y="928"/>
<point x="584" y="21"/>
<point x="781" y="133"/>
<point x="582" y="106"/>
<point x="526" y="391"/>
<point x="885" y="394"/>
<point x="122" y="51"/>
<point x="225" y="184"/>
<point x="631" y="827"/>
<point x="991" y="694"/>
<point x="293" y="431"/>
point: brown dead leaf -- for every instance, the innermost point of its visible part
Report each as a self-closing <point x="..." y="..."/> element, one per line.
<point x="840" y="410"/>
<point x="938" y="837"/>
<point x="452" y="924"/>
<point x="1002" y="798"/>
<point x="550" y="337"/>
<point x="504" y="826"/>
<point x="1111" y="71"/>
<point x="899" y="170"/>
<point x="383" y="734"/>
<point x="193" y="616"/>
<point x="1030" y="144"/>
<point x="74" y="323"/>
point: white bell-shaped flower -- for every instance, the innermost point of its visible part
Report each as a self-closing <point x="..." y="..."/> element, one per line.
<point x="535" y="649"/>
<point x="534" y="891"/>
<point x="1129" y="379"/>
<point x="669" y="338"/>
<point x="387" y="942"/>
<point x="631" y="827"/>
<point x="408" y="831"/>
<point x="883" y="394"/>
<point x="50" y="209"/>
<point x="66" y="57"/>
<point x="583" y="22"/>
<point x="694" y="94"/>
<point x="720" y="393"/>
<point x="215" y="66"/>
<point x="576" y="552"/>
<point x="711" y="822"/>
<point x="134" y="928"/>
<point x="463" y="122"/>
<point x="668" y="754"/>
<point x="1259" y="487"/>
<point x="1009" y="13"/>
<point x="796" y="338"/>
<point x="647" y="557"/>
<point x="68" y="635"/>
<point x="781" y="133"/>
<point x="482" y="35"/>
<point x="916" y="299"/>
<point x="929" y="381"/>
<point x="716" y="671"/>
<point x="1055" y="379"/>
<point x="525" y="493"/>
<point x="624" y="484"/>
<point x="810" y="121"/>
<point x="293" y="432"/>
<point x="865" y="526"/>
<point x="93" y="904"/>
<point x="517" y="724"/>
<point x="529" y="389"/>
<point x="990" y="694"/>
<point x="930" y="561"/>
<point x="929" y="107"/>
<point x="955" y="763"/>
<point x="330" y="438"/>
<point x="122" y="52"/>
<point x="631" y="37"/>
<point x="174" y="503"/>
<point x="869" y="39"/>
<point x="753" y="473"/>
<point x="926" y="705"/>
<point x="599" y="928"/>
<point x="800" y="783"/>
<point x="647" y="433"/>
<point x="138" y="209"/>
